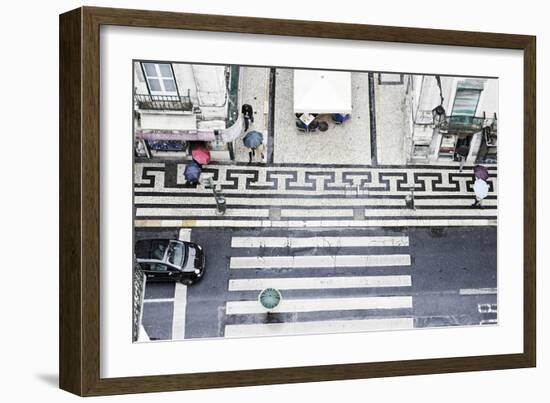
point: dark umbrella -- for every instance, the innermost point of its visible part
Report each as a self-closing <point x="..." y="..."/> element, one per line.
<point x="253" y="139"/>
<point x="192" y="172"/>
<point x="201" y="154"/>
<point x="481" y="172"/>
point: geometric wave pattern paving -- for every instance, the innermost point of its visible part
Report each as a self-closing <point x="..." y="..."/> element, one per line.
<point x="311" y="196"/>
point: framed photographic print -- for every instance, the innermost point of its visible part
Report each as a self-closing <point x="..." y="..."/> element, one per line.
<point x="250" y="201"/>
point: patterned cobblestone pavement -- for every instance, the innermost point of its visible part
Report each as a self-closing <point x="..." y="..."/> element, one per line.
<point x="294" y="196"/>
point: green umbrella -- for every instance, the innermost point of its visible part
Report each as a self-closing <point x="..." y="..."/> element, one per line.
<point x="270" y="298"/>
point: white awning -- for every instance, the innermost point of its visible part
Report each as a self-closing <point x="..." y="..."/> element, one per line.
<point x="319" y="91"/>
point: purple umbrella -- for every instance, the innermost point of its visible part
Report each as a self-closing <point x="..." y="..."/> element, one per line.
<point x="192" y="172"/>
<point x="481" y="172"/>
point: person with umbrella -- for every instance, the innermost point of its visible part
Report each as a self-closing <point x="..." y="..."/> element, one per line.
<point x="481" y="172"/>
<point x="481" y="187"/>
<point x="192" y="173"/>
<point x="254" y="141"/>
<point x="201" y="154"/>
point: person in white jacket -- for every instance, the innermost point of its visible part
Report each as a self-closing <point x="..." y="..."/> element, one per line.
<point x="481" y="189"/>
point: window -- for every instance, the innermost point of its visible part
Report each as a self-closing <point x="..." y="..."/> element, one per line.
<point x="160" y="78"/>
<point x="155" y="267"/>
<point x="177" y="254"/>
<point x="467" y="97"/>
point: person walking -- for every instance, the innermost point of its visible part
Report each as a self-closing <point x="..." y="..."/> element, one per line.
<point x="253" y="140"/>
<point x="248" y="115"/>
<point x="255" y="152"/>
<point x="192" y="174"/>
<point x="462" y="152"/>
<point x="481" y="190"/>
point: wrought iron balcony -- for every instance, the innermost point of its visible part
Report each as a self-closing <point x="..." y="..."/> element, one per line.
<point x="464" y="125"/>
<point x="163" y="102"/>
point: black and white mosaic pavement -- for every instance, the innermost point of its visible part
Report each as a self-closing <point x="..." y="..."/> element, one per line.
<point x="305" y="195"/>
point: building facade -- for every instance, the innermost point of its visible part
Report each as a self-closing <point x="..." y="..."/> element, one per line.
<point x="452" y="118"/>
<point x="176" y="104"/>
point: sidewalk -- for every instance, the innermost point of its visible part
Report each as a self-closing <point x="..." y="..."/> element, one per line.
<point x="348" y="143"/>
<point x="392" y="125"/>
<point x="297" y="196"/>
<point x="253" y="90"/>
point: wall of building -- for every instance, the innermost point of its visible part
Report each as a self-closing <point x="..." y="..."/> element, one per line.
<point x="185" y="80"/>
<point x="203" y="83"/>
<point x="206" y="87"/>
<point x="427" y="94"/>
<point x="139" y="80"/>
<point x="489" y="100"/>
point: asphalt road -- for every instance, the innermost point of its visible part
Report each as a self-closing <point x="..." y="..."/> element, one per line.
<point x="452" y="271"/>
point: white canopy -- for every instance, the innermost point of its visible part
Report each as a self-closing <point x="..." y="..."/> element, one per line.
<point x="319" y="91"/>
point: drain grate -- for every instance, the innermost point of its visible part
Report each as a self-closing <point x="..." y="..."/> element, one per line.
<point x="359" y="213"/>
<point x="275" y="214"/>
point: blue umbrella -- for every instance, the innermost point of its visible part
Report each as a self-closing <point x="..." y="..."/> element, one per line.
<point x="192" y="172"/>
<point x="253" y="139"/>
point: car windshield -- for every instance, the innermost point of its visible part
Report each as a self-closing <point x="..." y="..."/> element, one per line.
<point x="177" y="254"/>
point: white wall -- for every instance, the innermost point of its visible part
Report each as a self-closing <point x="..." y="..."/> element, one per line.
<point x="139" y="80"/>
<point x="489" y="100"/>
<point x="30" y="187"/>
<point x="185" y="80"/>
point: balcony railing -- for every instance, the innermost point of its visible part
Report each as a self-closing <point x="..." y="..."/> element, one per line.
<point x="163" y="102"/>
<point x="462" y="124"/>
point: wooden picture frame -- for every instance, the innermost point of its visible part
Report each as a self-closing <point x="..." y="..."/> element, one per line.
<point x="79" y="346"/>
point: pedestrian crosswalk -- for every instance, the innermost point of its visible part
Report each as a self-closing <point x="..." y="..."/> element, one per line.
<point x="329" y="284"/>
<point x="294" y="196"/>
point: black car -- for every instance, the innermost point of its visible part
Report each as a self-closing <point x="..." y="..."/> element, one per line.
<point x="170" y="260"/>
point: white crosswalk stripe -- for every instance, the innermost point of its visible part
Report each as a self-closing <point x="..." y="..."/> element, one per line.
<point x="312" y="283"/>
<point x="309" y="296"/>
<point x="335" y="261"/>
<point x="321" y="304"/>
<point x="317" y="327"/>
<point x="318" y="242"/>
